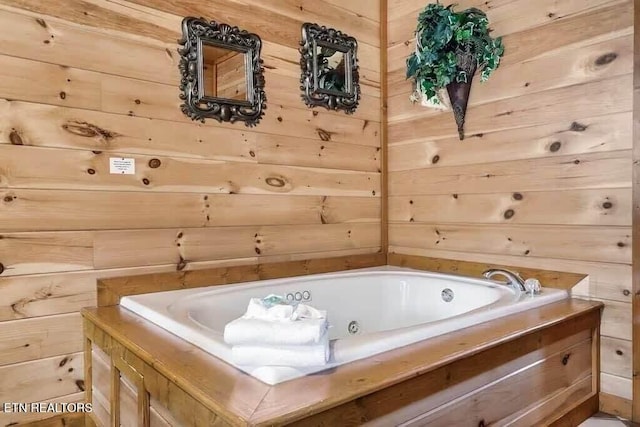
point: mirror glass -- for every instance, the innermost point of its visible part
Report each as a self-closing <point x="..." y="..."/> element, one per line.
<point x="329" y="68"/>
<point x="224" y="73"/>
<point x="331" y="71"/>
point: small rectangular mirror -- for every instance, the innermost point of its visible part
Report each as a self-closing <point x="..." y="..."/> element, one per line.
<point x="329" y="68"/>
<point x="224" y="73"/>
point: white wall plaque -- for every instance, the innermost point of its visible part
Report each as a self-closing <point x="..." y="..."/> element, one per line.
<point x="122" y="166"/>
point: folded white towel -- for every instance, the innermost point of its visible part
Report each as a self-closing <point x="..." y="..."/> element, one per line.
<point x="267" y="332"/>
<point x="282" y="355"/>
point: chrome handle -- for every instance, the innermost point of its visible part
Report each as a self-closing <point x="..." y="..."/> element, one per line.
<point x="533" y="286"/>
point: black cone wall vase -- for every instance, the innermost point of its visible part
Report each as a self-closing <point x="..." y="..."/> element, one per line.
<point x="459" y="91"/>
<point x="459" y="97"/>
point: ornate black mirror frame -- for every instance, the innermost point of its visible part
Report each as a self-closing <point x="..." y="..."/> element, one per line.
<point x="197" y="106"/>
<point x="313" y="36"/>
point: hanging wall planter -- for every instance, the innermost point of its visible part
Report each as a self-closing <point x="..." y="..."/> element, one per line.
<point x="450" y="47"/>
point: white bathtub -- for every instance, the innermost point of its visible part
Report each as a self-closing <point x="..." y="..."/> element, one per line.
<point x="370" y="310"/>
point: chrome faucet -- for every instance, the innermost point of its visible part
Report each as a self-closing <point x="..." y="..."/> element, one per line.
<point x="513" y="279"/>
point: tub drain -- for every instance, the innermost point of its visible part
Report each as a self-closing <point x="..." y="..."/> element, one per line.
<point x="353" y="327"/>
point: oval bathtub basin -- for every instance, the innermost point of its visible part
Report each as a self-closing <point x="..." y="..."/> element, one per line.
<point x="369" y="310"/>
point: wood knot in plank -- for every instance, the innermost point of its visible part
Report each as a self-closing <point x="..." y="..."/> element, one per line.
<point x="88" y="130"/>
<point x="565" y="358"/>
<point x="323" y="134"/>
<point x="64" y="361"/>
<point x="578" y="127"/>
<point x="275" y="181"/>
<point x="605" y="59"/>
<point x="80" y="385"/>
<point x="555" y="146"/>
<point x="15" y="138"/>
<point x="154" y="163"/>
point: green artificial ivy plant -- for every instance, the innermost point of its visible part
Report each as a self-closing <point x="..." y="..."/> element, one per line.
<point x="441" y="36"/>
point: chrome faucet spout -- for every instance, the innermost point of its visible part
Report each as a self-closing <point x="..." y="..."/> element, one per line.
<point x="513" y="279"/>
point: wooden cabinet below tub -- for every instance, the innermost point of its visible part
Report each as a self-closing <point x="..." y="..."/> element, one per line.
<point x="538" y="367"/>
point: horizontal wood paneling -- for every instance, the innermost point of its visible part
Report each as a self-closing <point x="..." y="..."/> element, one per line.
<point x="506" y="16"/>
<point x="41" y="380"/>
<point x="147" y="247"/>
<point x="35" y="296"/>
<point x="85" y="80"/>
<point x="24" y="253"/>
<point x="557" y="69"/>
<point x="615" y="385"/>
<point x="616" y="320"/>
<point x="58" y="127"/>
<point x="612" y="20"/>
<point x="616" y="356"/>
<point x="599" y="170"/>
<point x="589" y="135"/>
<point x="39" y="337"/>
<point x="40" y="210"/>
<point x="600" y="244"/>
<point x="596" y="207"/>
<point x="536" y="109"/>
<point x="78" y="88"/>
<point x="31" y="167"/>
<point x="543" y="178"/>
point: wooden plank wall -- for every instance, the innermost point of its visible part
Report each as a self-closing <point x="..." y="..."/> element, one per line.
<point x="636" y="217"/>
<point x="83" y="80"/>
<point x="544" y="177"/>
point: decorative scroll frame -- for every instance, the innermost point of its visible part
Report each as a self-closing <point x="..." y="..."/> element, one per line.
<point x="197" y="106"/>
<point x="314" y="35"/>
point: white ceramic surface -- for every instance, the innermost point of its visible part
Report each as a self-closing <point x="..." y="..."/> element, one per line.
<point x="392" y="306"/>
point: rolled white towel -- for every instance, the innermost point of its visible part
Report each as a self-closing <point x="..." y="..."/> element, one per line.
<point x="262" y="308"/>
<point x="267" y="332"/>
<point x="282" y="355"/>
<point x="275" y="307"/>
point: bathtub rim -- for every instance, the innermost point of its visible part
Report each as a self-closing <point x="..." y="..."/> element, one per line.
<point x="174" y="316"/>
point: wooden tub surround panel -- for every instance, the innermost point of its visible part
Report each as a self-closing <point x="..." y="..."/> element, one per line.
<point x="478" y="368"/>
<point x="541" y="364"/>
